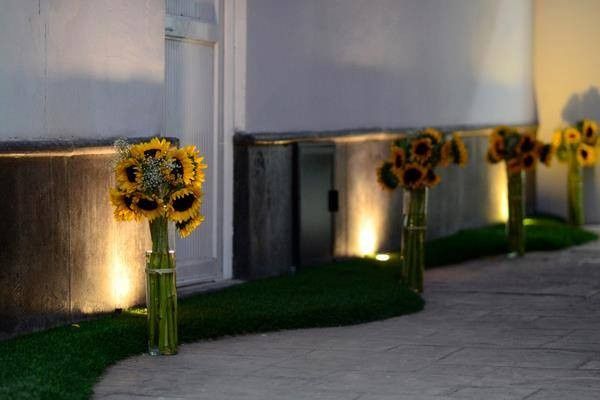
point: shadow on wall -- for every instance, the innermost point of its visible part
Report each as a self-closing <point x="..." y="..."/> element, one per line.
<point x="580" y="106"/>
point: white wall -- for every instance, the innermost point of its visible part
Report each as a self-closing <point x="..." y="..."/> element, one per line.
<point x="86" y="69"/>
<point x="338" y="64"/>
<point x="567" y="78"/>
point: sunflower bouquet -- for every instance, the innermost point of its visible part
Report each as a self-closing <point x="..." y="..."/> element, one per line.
<point x="520" y="152"/>
<point x="412" y="164"/>
<point x="162" y="183"/>
<point x="576" y="147"/>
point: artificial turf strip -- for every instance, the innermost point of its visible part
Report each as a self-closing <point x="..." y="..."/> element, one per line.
<point x="541" y="234"/>
<point x="64" y="363"/>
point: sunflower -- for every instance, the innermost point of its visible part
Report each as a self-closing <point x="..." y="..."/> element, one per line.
<point x="183" y="167"/>
<point x="589" y="130"/>
<point x="500" y="131"/>
<point x="185" y="228"/>
<point x="421" y="150"/>
<point x="199" y="165"/>
<point x="459" y="151"/>
<point x="513" y="166"/>
<point x="557" y="139"/>
<point x="386" y="177"/>
<point x="497" y="150"/>
<point x="545" y="153"/>
<point x="433" y="134"/>
<point x="572" y="136"/>
<point x="431" y="179"/>
<point x="528" y="161"/>
<point x="586" y="155"/>
<point x="184" y="204"/>
<point x="154" y="148"/>
<point x="149" y="207"/>
<point x="527" y="144"/>
<point x="412" y="176"/>
<point x="398" y="157"/>
<point x="124" y="207"/>
<point x="127" y="174"/>
<point x="446" y="153"/>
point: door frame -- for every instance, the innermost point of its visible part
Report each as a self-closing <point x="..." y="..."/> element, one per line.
<point x="229" y="44"/>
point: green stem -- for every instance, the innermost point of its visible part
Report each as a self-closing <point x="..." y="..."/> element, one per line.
<point x="161" y="291"/>
<point x="575" y="190"/>
<point x="516" y="213"/>
<point x="413" y="241"/>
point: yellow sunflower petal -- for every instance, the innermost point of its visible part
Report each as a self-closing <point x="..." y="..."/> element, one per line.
<point x="185" y="228"/>
<point x="156" y="147"/>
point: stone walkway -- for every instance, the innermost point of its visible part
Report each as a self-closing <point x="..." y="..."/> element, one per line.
<point x="492" y="329"/>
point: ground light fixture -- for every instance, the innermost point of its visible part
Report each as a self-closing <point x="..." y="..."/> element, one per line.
<point x="382" y="257"/>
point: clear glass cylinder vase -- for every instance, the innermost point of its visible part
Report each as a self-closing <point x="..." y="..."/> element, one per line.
<point x="414" y="226"/>
<point x="515" y="229"/>
<point x="575" y="191"/>
<point x="161" y="303"/>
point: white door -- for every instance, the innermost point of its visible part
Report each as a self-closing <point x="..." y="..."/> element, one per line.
<point x="192" y="109"/>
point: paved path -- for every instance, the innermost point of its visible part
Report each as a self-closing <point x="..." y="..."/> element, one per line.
<point x="492" y="329"/>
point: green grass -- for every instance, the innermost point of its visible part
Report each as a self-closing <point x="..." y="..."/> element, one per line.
<point x="541" y="233"/>
<point x="64" y="363"/>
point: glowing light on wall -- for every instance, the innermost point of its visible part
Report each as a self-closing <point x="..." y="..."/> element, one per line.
<point x="502" y="203"/>
<point x="121" y="285"/>
<point x="367" y="237"/>
<point x="498" y="210"/>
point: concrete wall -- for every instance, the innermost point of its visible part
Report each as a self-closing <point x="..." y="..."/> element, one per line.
<point x="567" y="79"/>
<point x="369" y="218"/>
<point x="81" y="68"/>
<point x="336" y="64"/>
<point x="62" y="254"/>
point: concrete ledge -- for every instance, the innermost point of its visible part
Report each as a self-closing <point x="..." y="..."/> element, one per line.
<point x="360" y="134"/>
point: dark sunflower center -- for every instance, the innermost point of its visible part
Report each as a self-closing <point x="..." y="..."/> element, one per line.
<point x="184" y="203"/>
<point x="177" y="167"/>
<point x="430" y="175"/>
<point x="528" y="161"/>
<point x="499" y="146"/>
<point x="147" y="205"/>
<point x="527" y="145"/>
<point x="584" y="154"/>
<point x="128" y="201"/>
<point x="151" y="153"/>
<point x="421" y="149"/>
<point x="589" y="132"/>
<point x="130" y="171"/>
<point x="412" y="175"/>
<point x="398" y="161"/>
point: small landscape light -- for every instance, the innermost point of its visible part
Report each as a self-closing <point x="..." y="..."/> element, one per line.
<point x="382" y="257"/>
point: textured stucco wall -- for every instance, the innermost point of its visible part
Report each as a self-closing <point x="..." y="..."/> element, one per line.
<point x="338" y="64"/>
<point x="61" y="252"/>
<point x="567" y="79"/>
<point x="84" y="69"/>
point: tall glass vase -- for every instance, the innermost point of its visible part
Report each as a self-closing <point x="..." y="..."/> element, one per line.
<point x="161" y="292"/>
<point x="516" y="214"/>
<point x="413" y="237"/>
<point x="575" y="190"/>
